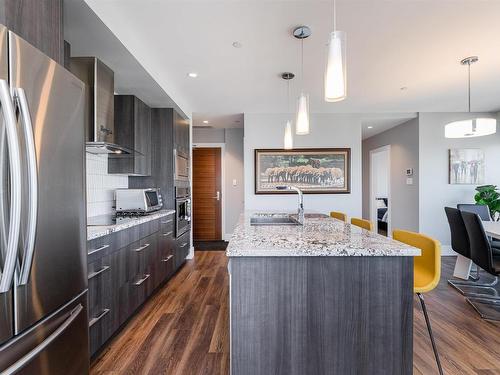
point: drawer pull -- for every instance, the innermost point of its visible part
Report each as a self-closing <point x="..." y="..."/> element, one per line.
<point x="167" y="234"/>
<point x="139" y="249"/>
<point x="95" y="273"/>
<point x="167" y="258"/>
<point x="98" y="317"/>
<point x="167" y="221"/>
<point x="98" y="249"/>
<point x="184" y="244"/>
<point x="139" y="282"/>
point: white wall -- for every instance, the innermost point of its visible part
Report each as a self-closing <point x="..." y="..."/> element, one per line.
<point x="435" y="191"/>
<point x="101" y="186"/>
<point x="381" y="170"/>
<point x="327" y="130"/>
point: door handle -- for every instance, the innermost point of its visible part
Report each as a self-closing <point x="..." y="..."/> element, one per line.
<point x="15" y="187"/>
<point x="217" y="196"/>
<point x="40" y="348"/>
<point x="29" y="246"/>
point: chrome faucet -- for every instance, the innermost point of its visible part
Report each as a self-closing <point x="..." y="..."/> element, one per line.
<point x="300" y="212"/>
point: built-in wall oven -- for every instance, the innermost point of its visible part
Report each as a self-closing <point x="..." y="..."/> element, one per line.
<point x="181" y="166"/>
<point x="183" y="210"/>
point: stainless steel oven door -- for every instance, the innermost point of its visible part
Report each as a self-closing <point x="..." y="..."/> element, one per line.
<point x="181" y="166"/>
<point x="183" y="218"/>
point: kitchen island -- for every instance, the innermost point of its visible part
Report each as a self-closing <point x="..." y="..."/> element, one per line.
<point x="324" y="297"/>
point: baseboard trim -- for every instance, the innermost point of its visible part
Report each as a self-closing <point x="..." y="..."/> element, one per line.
<point x="446" y="250"/>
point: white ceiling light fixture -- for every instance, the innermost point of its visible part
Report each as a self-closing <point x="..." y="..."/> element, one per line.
<point x="192" y="75"/>
<point x="476" y="127"/>
<point x="288" y="138"/>
<point x="335" y="73"/>
<point x="205" y="121"/>
<point x="302" y="122"/>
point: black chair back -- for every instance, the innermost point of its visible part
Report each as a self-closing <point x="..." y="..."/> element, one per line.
<point x="459" y="237"/>
<point x="479" y="209"/>
<point x="480" y="249"/>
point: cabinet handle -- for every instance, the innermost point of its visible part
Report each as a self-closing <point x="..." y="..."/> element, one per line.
<point x="98" y="317"/>
<point x="184" y="244"/>
<point x="98" y="249"/>
<point x="95" y="273"/>
<point x="137" y="283"/>
<point x="167" y="221"/>
<point x="167" y="258"/>
<point x="139" y="249"/>
<point x="167" y="234"/>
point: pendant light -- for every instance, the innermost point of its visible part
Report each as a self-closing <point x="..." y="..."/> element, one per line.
<point x="476" y="127"/>
<point x="302" y="122"/>
<point x="335" y="72"/>
<point x="288" y="138"/>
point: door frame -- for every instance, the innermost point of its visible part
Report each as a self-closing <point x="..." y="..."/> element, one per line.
<point x="373" y="208"/>
<point x="222" y="147"/>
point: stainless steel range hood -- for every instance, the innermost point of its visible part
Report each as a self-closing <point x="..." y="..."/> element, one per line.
<point x="99" y="107"/>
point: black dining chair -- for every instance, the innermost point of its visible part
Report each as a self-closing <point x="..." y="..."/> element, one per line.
<point x="484" y="213"/>
<point x="482" y="255"/>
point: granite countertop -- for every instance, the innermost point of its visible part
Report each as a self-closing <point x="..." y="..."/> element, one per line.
<point x="96" y="231"/>
<point x="319" y="236"/>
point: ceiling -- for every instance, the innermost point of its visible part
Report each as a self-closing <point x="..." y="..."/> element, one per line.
<point x="375" y="123"/>
<point x="219" y="121"/>
<point x="415" y="44"/>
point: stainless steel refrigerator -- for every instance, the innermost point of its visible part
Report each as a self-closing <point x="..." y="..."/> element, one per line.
<point x="43" y="281"/>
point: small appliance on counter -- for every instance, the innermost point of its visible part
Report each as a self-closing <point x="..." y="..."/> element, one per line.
<point x="137" y="201"/>
<point x="183" y="210"/>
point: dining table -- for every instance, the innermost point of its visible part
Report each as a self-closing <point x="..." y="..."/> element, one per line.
<point x="492" y="229"/>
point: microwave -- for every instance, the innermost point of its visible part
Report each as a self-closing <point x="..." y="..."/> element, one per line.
<point x="138" y="200"/>
<point x="181" y="166"/>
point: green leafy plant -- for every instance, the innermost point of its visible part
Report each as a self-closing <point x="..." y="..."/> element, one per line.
<point x="490" y="196"/>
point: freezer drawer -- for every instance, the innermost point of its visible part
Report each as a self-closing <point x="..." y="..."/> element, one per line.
<point x="57" y="345"/>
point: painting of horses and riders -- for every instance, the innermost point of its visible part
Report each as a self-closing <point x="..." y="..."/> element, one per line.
<point x="314" y="171"/>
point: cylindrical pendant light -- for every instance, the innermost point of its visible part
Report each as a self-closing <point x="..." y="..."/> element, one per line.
<point x="335" y="72"/>
<point x="302" y="126"/>
<point x="288" y="137"/>
<point x="476" y="127"/>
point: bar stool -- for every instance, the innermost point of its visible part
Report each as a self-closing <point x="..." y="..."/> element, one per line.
<point x="482" y="255"/>
<point x="427" y="271"/>
<point x="362" y="223"/>
<point x="339" y="216"/>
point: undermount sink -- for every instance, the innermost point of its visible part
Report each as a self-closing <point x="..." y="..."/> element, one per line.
<point x="270" y="219"/>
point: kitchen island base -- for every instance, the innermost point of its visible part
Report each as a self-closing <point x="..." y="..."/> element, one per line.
<point x="321" y="315"/>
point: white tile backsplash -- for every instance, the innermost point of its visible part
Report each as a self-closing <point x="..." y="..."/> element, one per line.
<point x="101" y="186"/>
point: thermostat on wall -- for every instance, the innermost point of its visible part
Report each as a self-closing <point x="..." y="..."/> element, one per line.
<point x="409" y="171"/>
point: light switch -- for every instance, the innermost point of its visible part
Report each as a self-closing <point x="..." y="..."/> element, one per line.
<point x="409" y="181"/>
<point x="234" y="182"/>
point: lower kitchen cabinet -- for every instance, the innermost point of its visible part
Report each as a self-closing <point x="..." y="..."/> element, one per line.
<point x="134" y="263"/>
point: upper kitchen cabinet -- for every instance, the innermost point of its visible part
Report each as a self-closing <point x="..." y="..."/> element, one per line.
<point x="181" y="133"/>
<point x="39" y="22"/>
<point x="99" y="101"/>
<point x="133" y="131"/>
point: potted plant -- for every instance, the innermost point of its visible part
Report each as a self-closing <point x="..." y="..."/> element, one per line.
<point x="490" y="196"/>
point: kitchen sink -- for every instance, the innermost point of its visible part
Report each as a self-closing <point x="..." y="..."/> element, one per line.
<point x="280" y="219"/>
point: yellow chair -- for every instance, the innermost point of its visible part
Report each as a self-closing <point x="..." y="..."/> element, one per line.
<point x="426" y="272"/>
<point x="362" y="223"/>
<point x="339" y="216"/>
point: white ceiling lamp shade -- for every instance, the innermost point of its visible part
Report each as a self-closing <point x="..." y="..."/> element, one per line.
<point x="302" y="125"/>
<point x="336" y="66"/>
<point x="288" y="137"/>
<point x="476" y="127"/>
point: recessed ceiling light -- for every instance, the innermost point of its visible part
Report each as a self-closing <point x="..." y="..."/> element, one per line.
<point x="370" y="127"/>
<point x="192" y="75"/>
<point x="205" y="121"/>
<point x="237" y="44"/>
<point x="404" y="88"/>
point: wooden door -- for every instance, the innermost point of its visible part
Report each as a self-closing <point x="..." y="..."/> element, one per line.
<point x="207" y="195"/>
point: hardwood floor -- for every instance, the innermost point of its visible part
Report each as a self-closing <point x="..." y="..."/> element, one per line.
<point x="184" y="329"/>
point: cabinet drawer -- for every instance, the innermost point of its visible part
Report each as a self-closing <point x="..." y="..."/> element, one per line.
<point x="167" y="224"/>
<point x="100" y="247"/>
<point x="182" y="246"/>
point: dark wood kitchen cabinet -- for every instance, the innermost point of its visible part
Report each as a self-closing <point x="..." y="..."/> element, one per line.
<point x="181" y="133"/>
<point x="39" y="22"/>
<point x="132" y="130"/>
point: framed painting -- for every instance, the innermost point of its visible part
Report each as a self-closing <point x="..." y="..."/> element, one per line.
<point x="466" y="166"/>
<point x="314" y="171"/>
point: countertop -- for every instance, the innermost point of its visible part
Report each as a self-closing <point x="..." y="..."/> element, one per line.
<point x="94" y="232"/>
<point x="319" y="236"/>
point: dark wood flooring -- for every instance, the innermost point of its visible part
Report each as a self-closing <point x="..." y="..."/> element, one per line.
<point x="184" y="329"/>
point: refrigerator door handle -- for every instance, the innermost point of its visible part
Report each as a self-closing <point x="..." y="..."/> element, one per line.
<point x="27" y="126"/>
<point x="15" y="187"/>
<point x="41" y="347"/>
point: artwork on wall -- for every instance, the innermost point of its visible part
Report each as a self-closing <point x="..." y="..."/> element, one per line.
<point x="466" y="166"/>
<point x="314" y="171"/>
